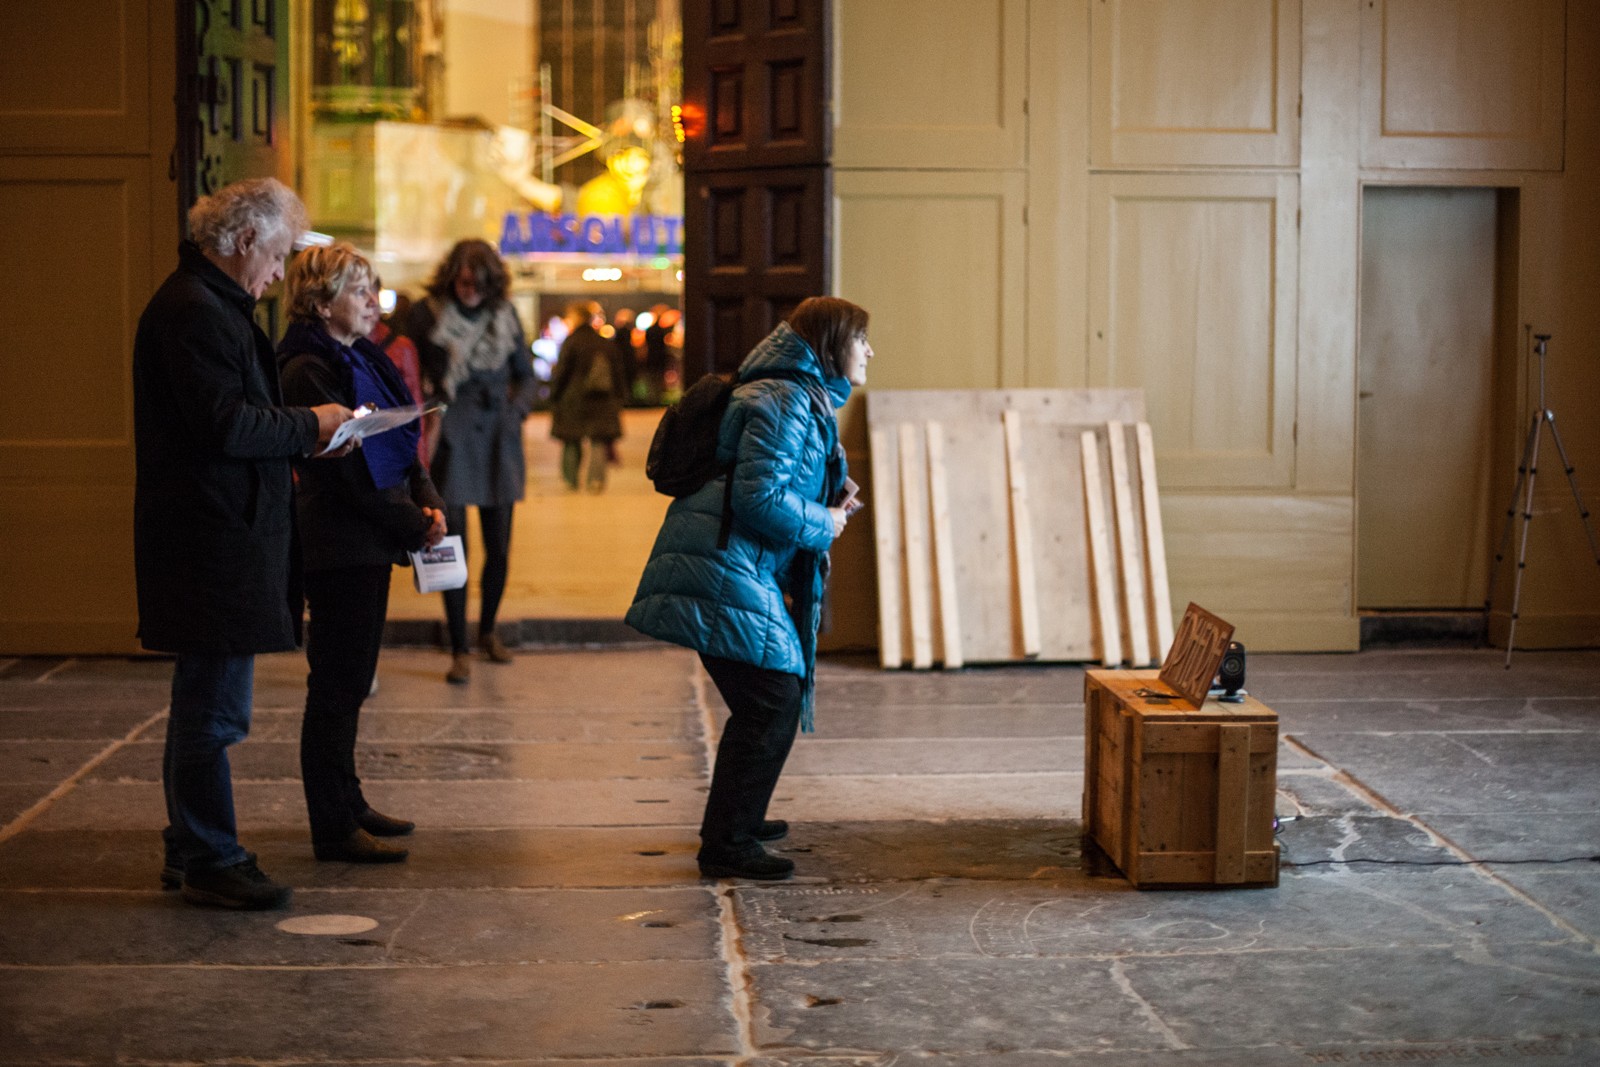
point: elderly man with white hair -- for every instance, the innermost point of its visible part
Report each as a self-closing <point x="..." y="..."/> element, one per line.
<point x="213" y="520"/>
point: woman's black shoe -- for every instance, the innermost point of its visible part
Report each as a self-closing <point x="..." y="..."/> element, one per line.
<point x="359" y="847"/>
<point x="762" y="867"/>
<point x="772" y="830"/>
<point x="378" y="824"/>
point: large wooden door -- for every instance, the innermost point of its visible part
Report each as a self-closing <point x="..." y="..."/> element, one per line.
<point x="756" y="174"/>
<point x="86" y="207"/>
<point x="1428" y="298"/>
<point x="233" y="102"/>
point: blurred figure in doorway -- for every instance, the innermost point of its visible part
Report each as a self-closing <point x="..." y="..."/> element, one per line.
<point x="586" y="398"/>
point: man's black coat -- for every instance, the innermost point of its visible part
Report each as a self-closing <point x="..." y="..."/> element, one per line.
<point x="213" y="519"/>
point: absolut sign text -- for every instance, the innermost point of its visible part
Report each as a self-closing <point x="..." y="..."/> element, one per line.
<point x="537" y="232"/>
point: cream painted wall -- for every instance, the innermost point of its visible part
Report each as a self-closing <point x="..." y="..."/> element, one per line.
<point x="488" y="59"/>
<point x="1168" y="194"/>
<point x="89" y="214"/>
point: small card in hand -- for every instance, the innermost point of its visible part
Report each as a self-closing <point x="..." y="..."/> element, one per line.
<point x="849" y="497"/>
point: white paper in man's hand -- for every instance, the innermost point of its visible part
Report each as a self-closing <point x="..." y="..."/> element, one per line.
<point x="374" y="422"/>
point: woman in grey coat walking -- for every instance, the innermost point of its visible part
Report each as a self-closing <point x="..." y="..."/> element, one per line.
<point x="474" y="359"/>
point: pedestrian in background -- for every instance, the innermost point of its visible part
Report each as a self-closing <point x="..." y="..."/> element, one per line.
<point x="213" y="525"/>
<point x="402" y="352"/>
<point x="359" y="516"/>
<point x="586" y="394"/>
<point x="752" y="608"/>
<point x="474" y="359"/>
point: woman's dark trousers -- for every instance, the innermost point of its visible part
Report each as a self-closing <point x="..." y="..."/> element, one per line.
<point x="764" y="715"/>
<point x="495" y="526"/>
<point x="348" y="606"/>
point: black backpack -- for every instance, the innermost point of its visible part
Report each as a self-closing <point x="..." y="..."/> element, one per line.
<point x="683" y="452"/>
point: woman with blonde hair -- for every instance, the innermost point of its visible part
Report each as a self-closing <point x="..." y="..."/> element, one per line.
<point x="358" y="517"/>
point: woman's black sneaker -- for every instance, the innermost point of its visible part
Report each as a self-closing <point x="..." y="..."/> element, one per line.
<point x="762" y="867"/>
<point x="242" y="886"/>
<point x="772" y="830"/>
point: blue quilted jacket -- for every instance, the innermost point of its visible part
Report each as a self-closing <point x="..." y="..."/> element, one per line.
<point x="730" y="602"/>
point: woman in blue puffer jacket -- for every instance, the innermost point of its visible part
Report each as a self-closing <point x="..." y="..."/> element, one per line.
<point x="751" y="609"/>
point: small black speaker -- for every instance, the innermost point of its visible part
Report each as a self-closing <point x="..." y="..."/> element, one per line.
<point x="1230" y="675"/>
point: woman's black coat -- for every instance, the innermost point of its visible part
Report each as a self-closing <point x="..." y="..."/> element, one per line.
<point x="346" y="520"/>
<point x="212" y="523"/>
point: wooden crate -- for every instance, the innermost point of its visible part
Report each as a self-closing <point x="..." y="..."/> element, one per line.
<point x="1177" y="795"/>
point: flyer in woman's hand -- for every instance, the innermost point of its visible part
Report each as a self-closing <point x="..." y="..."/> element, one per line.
<point x="369" y="422"/>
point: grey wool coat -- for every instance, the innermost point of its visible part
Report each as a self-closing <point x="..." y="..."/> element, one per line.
<point x="479" y="459"/>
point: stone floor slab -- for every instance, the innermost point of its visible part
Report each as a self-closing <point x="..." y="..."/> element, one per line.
<point x="450" y="805"/>
<point x="1533" y="773"/>
<point x="16" y="799"/>
<point x="1337" y="842"/>
<point x="839" y="722"/>
<point x="440" y="859"/>
<point x="491" y="725"/>
<point x="854" y="681"/>
<point x="78" y="724"/>
<point x="1519" y="838"/>
<point x="73" y="697"/>
<point x="422" y="927"/>
<point x="257" y="760"/>
<point x="844" y="798"/>
<point x="1571" y="892"/>
<point x="1320" y="794"/>
<point x="1546" y="1052"/>
<point x="967" y="1005"/>
<point x="1486" y="993"/>
<point x="912" y="849"/>
<point x="1075" y="915"/>
<point x="29" y="762"/>
<point x="651" y="678"/>
<point x="920" y="755"/>
<point x="1448" y="675"/>
<point x="1333" y="715"/>
<point x="193" y="1015"/>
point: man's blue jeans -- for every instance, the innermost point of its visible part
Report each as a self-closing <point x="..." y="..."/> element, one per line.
<point x="211" y="698"/>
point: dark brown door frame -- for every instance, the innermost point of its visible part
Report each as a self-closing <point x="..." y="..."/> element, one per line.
<point x="758" y="185"/>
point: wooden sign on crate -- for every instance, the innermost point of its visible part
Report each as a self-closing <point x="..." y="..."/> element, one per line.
<point x="1196" y="653"/>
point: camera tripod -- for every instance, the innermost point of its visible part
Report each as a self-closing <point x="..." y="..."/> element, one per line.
<point x="1527" y="471"/>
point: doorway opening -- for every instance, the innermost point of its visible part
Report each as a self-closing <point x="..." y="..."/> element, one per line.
<point x="1438" y="392"/>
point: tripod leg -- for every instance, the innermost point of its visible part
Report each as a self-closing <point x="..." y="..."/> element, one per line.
<point x="1572" y="483"/>
<point x="1522" y="550"/>
<point x="1511" y="513"/>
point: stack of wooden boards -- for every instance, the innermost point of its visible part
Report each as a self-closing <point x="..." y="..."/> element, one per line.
<point x="1016" y="525"/>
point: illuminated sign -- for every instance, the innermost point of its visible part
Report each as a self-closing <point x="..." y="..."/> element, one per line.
<point x="538" y="233"/>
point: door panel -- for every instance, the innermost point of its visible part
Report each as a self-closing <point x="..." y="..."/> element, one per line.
<point x="1426" y="365"/>
<point x="756" y="248"/>
<point x="234" y="103"/>
<point x="756" y="174"/>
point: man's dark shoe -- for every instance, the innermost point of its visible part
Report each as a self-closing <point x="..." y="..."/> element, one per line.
<point x="772" y="830"/>
<point x="762" y="867"/>
<point x="171" y="873"/>
<point x="378" y="824"/>
<point x="359" y="847"/>
<point x="241" y="886"/>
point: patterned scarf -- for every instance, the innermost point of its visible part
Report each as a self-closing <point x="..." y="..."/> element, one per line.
<point x="480" y="342"/>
